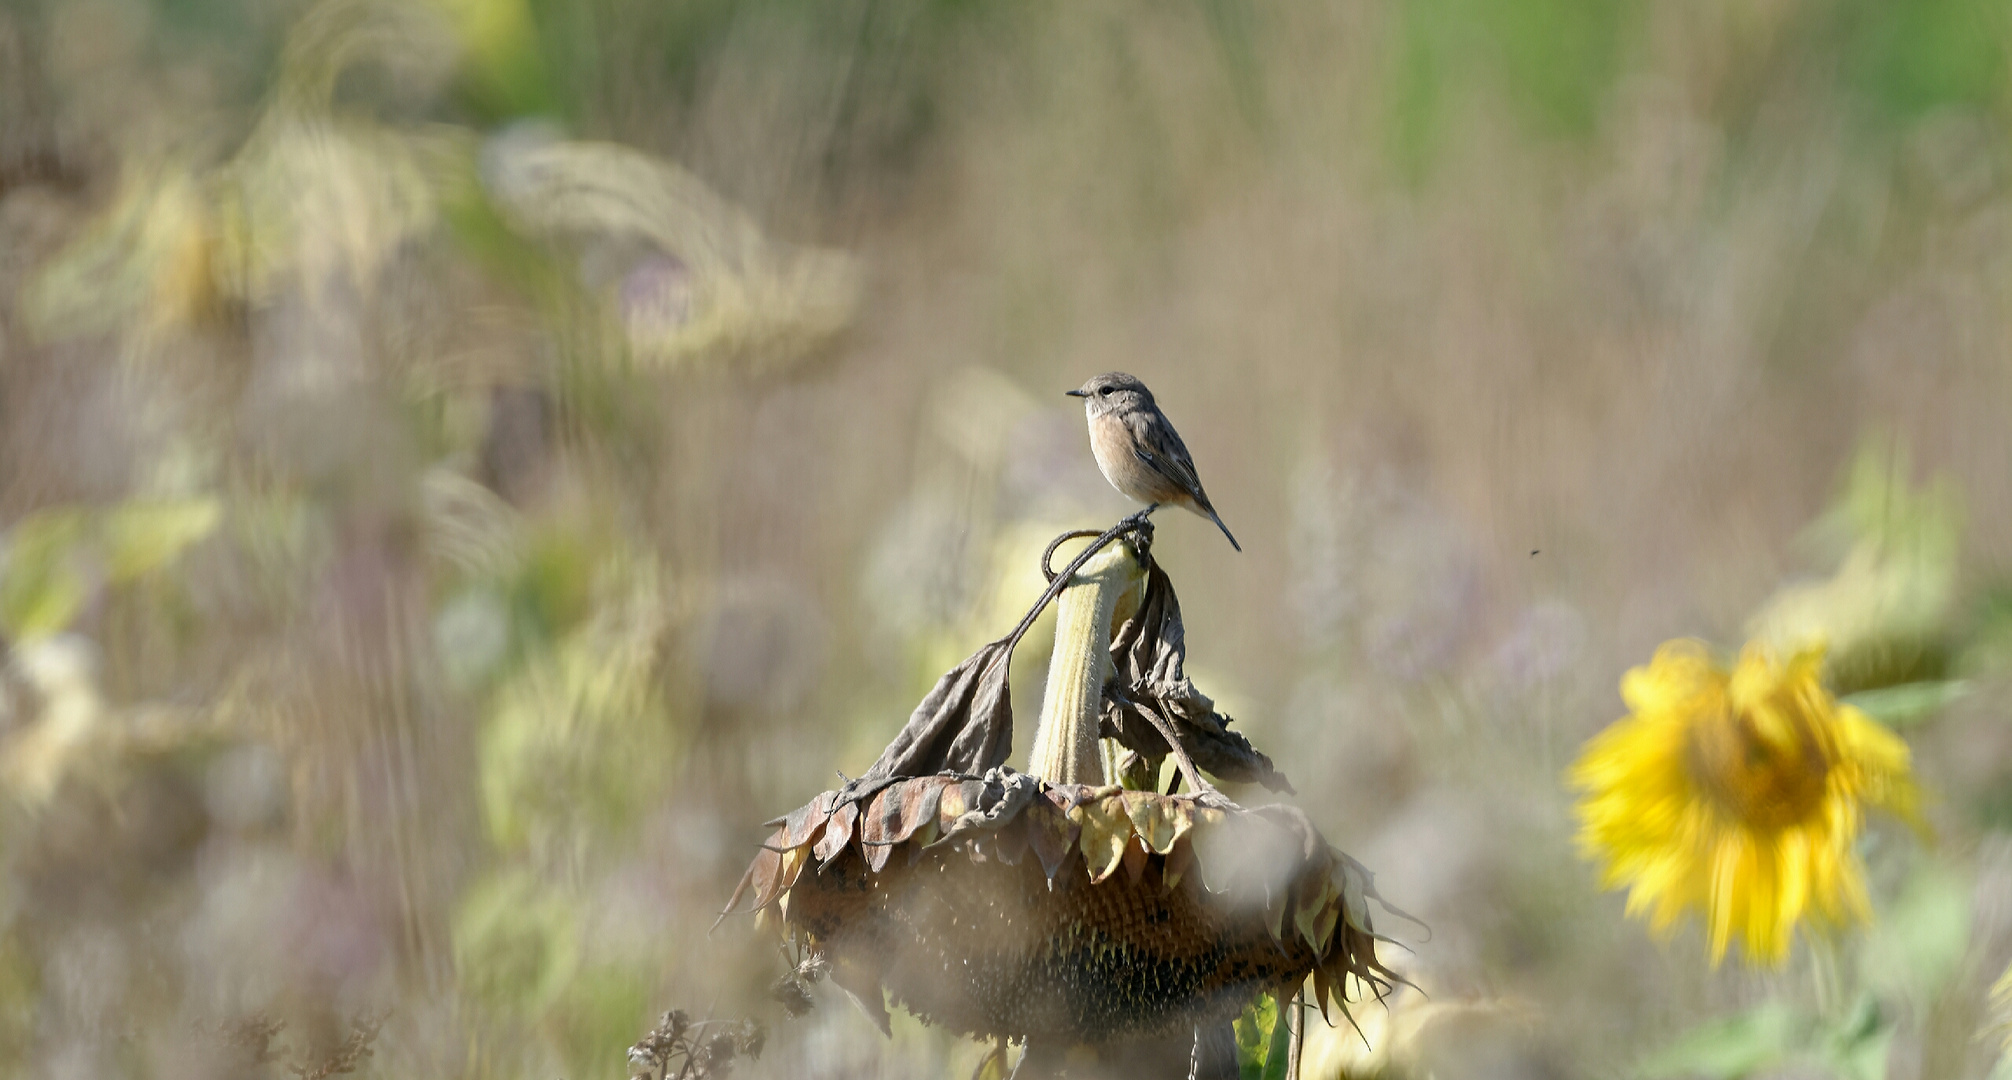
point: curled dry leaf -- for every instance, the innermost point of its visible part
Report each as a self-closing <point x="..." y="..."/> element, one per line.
<point x="1148" y="655"/>
<point x="964" y="725"/>
<point x="1002" y="906"/>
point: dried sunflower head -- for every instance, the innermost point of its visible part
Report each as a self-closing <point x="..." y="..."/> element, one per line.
<point x="1003" y="906"/>
<point x="1061" y="915"/>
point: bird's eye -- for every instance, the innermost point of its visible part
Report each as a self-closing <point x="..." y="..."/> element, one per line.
<point x="1105" y="392"/>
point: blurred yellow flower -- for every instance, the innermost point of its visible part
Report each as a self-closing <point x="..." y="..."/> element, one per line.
<point x="1737" y="793"/>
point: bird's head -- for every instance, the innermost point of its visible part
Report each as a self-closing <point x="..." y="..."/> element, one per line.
<point x="1113" y="391"/>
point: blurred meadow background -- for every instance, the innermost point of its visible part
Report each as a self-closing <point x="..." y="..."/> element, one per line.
<point x="464" y="465"/>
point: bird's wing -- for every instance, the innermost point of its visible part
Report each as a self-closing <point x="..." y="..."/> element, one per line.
<point x="1160" y="447"/>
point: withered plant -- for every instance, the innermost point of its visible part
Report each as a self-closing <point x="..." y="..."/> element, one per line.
<point x="1053" y="907"/>
<point x="680" y="1048"/>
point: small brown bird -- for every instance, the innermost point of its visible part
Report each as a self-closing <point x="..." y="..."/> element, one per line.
<point x="1138" y="451"/>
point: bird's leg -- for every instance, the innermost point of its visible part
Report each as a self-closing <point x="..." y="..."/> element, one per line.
<point x="1140" y="517"/>
<point x="1140" y="529"/>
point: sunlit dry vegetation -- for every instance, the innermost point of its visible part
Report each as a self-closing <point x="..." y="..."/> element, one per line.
<point x="466" y="464"/>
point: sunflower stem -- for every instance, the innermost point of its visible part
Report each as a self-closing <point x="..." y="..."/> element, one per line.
<point x="1826" y="977"/>
<point x="1065" y="747"/>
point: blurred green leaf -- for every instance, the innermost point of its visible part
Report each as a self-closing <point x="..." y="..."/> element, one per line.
<point x="143" y="262"/>
<point x="474" y="224"/>
<point x="578" y="738"/>
<point x="45" y="572"/>
<point x="1918" y="943"/>
<point x="1556" y="59"/>
<point x="1229" y="23"/>
<point x="1856" y="1046"/>
<point x="1907" y="704"/>
<point x="1909" y="58"/>
<point x="1884" y="611"/>
<point x="1880" y="505"/>
<point x="1264" y="1047"/>
<point x="1561" y="57"/>
<point x="516" y="946"/>
<point x="147" y="535"/>
<point x="1727" y="1049"/>
<point x="1988" y="646"/>
<point x="1278" y="1059"/>
<point x="600" y="1013"/>
<point x="41" y="586"/>
<point x="1416" y="98"/>
<point x="503" y="69"/>
<point x="554" y="591"/>
<point x="20" y="999"/>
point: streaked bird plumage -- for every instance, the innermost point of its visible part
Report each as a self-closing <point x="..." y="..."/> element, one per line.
<point x="1138" y="450"/>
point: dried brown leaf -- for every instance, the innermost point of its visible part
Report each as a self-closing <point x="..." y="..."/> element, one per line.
<point x="964" y="725"/>
<point x="1148" y="657"/>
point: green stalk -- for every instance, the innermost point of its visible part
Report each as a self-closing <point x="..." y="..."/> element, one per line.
<point x="1065" y="741"/>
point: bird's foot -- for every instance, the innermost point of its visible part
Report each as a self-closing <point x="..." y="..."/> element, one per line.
<point x="1139" y="518"/>
<point x="1140" y="529"/>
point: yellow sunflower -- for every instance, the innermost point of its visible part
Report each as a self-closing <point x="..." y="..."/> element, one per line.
<point x="1737" y="793"/>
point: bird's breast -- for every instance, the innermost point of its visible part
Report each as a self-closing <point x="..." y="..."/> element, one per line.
<point x="1111" y="442"/>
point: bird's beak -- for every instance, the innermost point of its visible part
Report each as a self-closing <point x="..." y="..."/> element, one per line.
<point x="1077" y="393"/>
